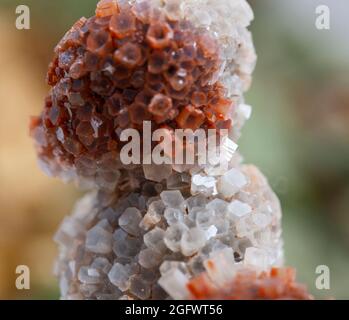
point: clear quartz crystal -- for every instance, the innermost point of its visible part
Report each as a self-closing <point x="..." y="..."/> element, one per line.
<point x="219" y="206"/>
<point x="198" y="200"/>
<point x="173" y="216"/>
<point x="261" y="220"/>
<point x="119" y="275"/>
<point x="211" y="232"/>
<point x="125" y="246"/>
<point x="192" y="241"/>
<point x="205" y="218"/>
<point x="92" y="272"/>
<point x="149" y="258"/>
<point x="238" y="209"/>
<point x="231" y="182"/>
<point x="85" y="277"/>
<point x="169" y="265"/>
<point x="98" y="240"/>
<point x="174" y="282"/>
<point x="153" y="215"/>
<point x="203" y="184"/>
<point x="222" y="225"/>
<point x="154" y="239"/>
<point x="101" y="264"/>
<point x="173" y="199"/>
<point x="130" y="221"/>
<point x="173" y="236"/>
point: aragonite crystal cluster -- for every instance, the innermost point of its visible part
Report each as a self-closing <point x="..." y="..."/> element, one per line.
<point x="248" y="284"/>
<point x="150" y="231"/>
<point x="136" y="61"/>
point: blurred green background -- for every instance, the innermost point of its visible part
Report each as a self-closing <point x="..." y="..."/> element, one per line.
<point x="298" y="136"/>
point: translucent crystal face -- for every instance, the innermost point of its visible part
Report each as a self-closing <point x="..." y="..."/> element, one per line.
<point x="128" y="64"/>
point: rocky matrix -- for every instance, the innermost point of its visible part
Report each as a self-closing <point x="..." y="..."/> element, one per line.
<point x="148" y="231"/>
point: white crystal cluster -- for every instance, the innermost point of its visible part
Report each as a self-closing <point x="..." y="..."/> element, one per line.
<point x="167" y="224"/>
<point x="132" y="247"/>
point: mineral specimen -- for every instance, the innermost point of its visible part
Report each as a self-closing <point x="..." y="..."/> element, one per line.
<point x="135" y="61"/>
<point x="149" y="231"/>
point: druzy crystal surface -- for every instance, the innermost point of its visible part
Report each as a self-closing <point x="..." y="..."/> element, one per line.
<point x="166" y="233"/>
<point x="147" y="231"/>
<point x="136" y="61"/>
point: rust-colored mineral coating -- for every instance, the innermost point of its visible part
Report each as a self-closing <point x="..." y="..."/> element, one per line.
<point x="119" y="68"/>
<point x="276" y="284"/>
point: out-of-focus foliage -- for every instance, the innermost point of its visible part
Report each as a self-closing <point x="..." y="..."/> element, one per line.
<point x="298" y="135"/>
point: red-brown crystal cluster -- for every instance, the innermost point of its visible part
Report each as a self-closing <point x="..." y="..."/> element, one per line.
<point x="276" y="284"/>
<point x="125" y="65"/>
